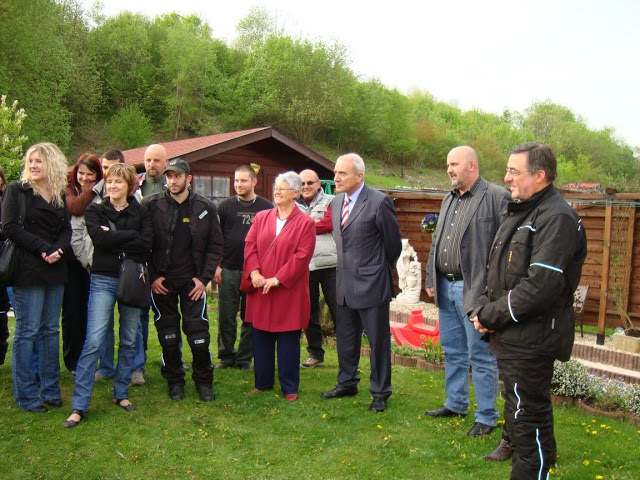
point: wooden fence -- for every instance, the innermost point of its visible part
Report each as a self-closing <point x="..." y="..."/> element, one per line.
<point x="612" y="267"/>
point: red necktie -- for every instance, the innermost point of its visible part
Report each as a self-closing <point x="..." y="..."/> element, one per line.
<point x="345" y="212"/>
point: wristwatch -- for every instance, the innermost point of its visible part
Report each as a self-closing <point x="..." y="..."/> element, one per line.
<point x="277" y="282"/>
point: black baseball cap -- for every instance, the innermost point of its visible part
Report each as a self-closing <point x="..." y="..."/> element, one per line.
<point x="178" y="165"/>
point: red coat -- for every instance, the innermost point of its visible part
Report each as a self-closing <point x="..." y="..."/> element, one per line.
<point x="286" y="307"/>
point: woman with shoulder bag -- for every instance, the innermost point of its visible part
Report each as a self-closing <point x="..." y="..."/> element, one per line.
<point x="132" y="236"/>
<point x="277" y="252"/>
<point x="42" y="239"/>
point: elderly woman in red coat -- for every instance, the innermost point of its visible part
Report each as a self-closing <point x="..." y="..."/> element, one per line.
<point x="278" y="249"/>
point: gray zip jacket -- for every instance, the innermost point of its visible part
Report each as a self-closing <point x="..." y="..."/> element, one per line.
<point x="325" y="254"/>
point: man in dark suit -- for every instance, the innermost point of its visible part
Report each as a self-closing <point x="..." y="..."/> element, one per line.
<point x="368" y="242"/>
<point x="456" y="277"/>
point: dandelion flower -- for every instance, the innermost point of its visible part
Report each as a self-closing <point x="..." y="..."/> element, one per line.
<point x="585" y="463"/>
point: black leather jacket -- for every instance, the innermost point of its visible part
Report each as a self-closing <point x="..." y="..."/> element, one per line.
<point x="205" y="232"/>
<point x="534" y="268"/>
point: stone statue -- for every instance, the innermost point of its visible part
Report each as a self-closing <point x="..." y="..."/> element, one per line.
<point x="409" y="274"/>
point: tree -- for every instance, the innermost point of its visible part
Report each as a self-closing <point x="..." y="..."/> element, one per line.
<point x="296" y="85"/>
<point x="35" y="67"/>
<point x="129" y="128"/>
<point x="398" y="127"/>
<point x="121" y="50"/>
<point x="12" y="142"/>
<point x="189" y="66"/>
<point x="256" y="27"/>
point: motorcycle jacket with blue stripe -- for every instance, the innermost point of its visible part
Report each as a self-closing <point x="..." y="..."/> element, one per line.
<point x="534" y="268"/>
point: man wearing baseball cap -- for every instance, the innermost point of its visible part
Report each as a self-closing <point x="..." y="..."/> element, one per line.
<point x="186" y="250"/>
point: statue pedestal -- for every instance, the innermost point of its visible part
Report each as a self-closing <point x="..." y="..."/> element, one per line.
<point x="400" y="312"/>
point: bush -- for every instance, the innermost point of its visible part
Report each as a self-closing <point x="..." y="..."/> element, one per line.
<point x="607" y="393"/>
<point x="631" y="400"/>
<point x="570" y="379"/>
<point x="11" y="141"/>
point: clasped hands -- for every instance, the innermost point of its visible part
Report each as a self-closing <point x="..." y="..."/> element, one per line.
<point x="258" y="280"/>
<point x="53" y="258"/>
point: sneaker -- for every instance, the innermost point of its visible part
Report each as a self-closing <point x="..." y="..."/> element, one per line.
<point x="137" y="378"/>
<point x="205" y="392"/>
<point x="312" y="363"/>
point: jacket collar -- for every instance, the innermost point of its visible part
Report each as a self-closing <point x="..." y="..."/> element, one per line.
<point x="532" y="201"/>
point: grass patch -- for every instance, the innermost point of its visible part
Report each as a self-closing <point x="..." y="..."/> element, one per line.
<point x="262" y="436"/>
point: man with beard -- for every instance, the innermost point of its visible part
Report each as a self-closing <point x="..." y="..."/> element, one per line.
<point x="187" y="244"/>
<point x="456" y="277"/>
<point x="236" y="217"/>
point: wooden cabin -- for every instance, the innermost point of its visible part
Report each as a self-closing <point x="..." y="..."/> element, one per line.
<point x="213" y="159"/>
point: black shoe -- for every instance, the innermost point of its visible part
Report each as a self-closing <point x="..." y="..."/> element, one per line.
<point x="244" y="366"/>
<point x="379" y="404"/>
<point x="341" y="392"/>
<point x="479" y="429"/>
<point x="54" y="403"/>
<point x="205" y="392"/>
<point x="129" y="407"/>
<point x="37" y="409"/>
<point x="444" y="412"/>
<point x="176" y="392"/>
<point x="68" y="423"/>
<point x="221" y="365"/>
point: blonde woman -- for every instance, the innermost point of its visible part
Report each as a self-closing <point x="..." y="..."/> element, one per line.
<point x="42" y="239"/>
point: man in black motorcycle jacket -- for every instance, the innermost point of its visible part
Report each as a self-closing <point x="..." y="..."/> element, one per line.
<point x="526" y="311"/>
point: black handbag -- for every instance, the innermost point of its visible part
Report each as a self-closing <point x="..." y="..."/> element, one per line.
<point x="8" y="254"/>
<point x="134" y="287"/>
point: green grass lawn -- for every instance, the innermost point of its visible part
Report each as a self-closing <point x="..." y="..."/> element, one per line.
<point x="263" y="436"/>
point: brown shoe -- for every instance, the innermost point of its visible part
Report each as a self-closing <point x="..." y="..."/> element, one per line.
<point x="501" y="453"/>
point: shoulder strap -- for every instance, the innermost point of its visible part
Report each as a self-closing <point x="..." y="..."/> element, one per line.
<point x="277" y="236"/>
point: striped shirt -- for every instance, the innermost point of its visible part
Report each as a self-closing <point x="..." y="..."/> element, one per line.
<point x="455" y="221"/>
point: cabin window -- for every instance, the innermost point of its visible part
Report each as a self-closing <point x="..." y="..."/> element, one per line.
<point x="213" y="188"/>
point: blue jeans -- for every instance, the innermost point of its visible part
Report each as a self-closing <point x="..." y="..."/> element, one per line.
<point x="37" y="312"/>
<point x="142" y="338"/>
<point x="462" y="346"/>
<point x="102" y="299"/>
<point x="106" y="365"/>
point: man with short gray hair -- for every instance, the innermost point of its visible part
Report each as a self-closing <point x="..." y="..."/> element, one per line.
<point x="368" y="243"/>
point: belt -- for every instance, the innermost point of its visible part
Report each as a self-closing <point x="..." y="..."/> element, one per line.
<point x="451" y="277"/>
